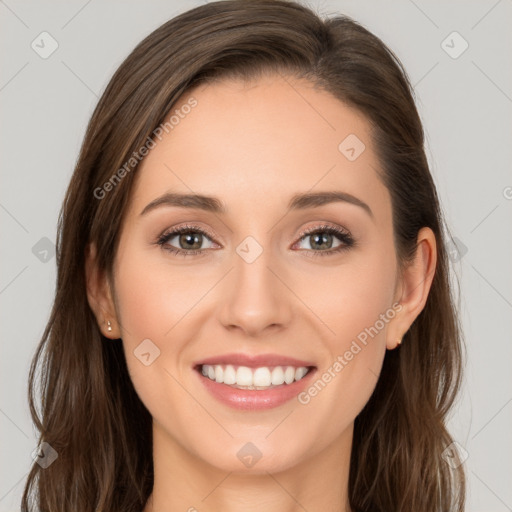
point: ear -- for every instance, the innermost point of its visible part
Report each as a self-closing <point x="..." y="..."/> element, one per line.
<point x="414" y="286"/>
<point x="99" y="295"/>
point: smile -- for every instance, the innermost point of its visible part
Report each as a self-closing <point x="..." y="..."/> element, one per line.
<point x="254" y="388"/>
<point x="261" y="378"/>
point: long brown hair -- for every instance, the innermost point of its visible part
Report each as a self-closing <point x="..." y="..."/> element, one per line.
<point x="90" y="413"/>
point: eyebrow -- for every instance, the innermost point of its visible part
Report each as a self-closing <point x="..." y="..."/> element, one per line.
<point x="214" y="205"/>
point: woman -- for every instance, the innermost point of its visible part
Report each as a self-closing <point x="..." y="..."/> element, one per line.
<point x="199" y="355"/>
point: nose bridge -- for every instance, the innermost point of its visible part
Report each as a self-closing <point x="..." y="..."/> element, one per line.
<point x="254" y="298"/>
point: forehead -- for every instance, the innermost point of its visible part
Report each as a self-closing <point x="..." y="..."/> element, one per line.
<point x="260" y="143"/>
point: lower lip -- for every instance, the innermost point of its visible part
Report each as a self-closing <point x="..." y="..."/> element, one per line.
<point x="254" y="400"/>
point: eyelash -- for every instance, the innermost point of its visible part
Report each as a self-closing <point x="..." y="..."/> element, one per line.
<point x="342" y="235"/>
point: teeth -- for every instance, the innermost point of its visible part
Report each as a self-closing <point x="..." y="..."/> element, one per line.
<point x="289" y="375"/>
<point x="277" y="376"/>
<point x="261" y="377"/>
<point x="244" y="377"/>
<point x="229" y="375"/>
<point x="300" y="372"/>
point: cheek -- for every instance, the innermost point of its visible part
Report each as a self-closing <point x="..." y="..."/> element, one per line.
<point x="150" y="303"/>
<point x="353" y="361"/>
<point x="354" y="308"/>
<point x="350" y="297"/>
<point x="151" y="296"/>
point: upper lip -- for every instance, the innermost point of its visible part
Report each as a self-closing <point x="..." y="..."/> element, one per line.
<point x="254" y="361"/>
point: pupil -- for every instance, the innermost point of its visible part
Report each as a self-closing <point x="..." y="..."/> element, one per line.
<point x="189" y="240"/>
<point x="319" y="239"/>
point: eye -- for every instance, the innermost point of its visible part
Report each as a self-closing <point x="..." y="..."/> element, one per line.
<point x="189" y="240"/>
<point x="323" y="240"/>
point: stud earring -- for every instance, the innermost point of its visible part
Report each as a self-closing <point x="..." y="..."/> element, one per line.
<point x="109" y="326"/>
<point x="399" y="341"/>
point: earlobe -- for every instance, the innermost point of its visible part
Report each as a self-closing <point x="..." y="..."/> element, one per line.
<point x="99" y="295"/>
<point x="415" y="286"/>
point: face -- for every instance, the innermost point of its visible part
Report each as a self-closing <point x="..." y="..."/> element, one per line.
<point x="268" y="280"/>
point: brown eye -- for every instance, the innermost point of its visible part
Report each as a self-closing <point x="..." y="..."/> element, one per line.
<point x="321" y="240"/>
<point x="325" y="240"/>
<point x="187" y="240"/>
<point x="190" y="241"/>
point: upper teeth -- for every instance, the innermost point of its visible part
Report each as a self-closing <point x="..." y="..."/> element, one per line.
<point x="262" y="377"/>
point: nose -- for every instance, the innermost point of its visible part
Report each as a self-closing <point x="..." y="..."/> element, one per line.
<point x="255" y="300"/>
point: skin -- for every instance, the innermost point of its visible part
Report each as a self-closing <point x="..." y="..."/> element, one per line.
<point x="253" y="146"/>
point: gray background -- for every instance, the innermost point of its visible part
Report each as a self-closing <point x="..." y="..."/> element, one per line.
<point x="465" y="104"/>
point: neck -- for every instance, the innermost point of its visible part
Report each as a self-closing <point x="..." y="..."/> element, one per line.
<point x="187" y="483"/>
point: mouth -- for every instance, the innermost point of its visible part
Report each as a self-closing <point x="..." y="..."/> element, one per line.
<point x="260" y="378"/>
<point x="256" y="387"/>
